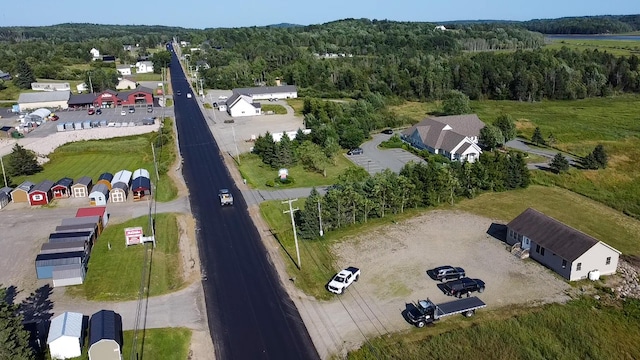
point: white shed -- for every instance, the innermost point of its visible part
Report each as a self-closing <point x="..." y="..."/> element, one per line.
<point x="99" y="195"/>
<point x="67" y="275"/>
<point x="140" y="172"/>
<point x="122" y="176"/>
<point x="65" y="336"/>
<point x="119" y="192"/>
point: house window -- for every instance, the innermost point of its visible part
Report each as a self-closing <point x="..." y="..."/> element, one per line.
<point x="538" y="249"/>
<point x="564" y="264"/>
<point x="542" y="251"/>
<point x="608" y="261"/>
<point x="579" y="267"/>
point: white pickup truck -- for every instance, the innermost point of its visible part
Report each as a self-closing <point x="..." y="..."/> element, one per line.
<point x="225" y="197"/>
<point x="343" y="279"/>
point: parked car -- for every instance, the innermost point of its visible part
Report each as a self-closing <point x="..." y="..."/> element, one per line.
<point x="387" y="131"/>
<point x="446" y="272"/>
<point x="356" y="151"/>
<point x="464" y="286"/>
<point x="98" y="111"/>
<point x="123" y="113"/>
<point x="343" y="279"/>
<point x="91" y="111"/>
<point x="132" y="109"/>
<point x="149" y="109"/>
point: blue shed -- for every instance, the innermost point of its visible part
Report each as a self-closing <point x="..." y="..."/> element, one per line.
<point x="45" y="263"/>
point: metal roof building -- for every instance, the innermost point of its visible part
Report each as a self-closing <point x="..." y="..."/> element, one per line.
<point x="65" y="336"/>
<point x="49" y="99"/>
<point x="105" y="336"/>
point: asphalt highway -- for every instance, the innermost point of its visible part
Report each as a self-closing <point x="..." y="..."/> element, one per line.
<point x="250" y="314"/>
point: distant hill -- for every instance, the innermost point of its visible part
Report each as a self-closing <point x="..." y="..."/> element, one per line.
<point x="284" y="25"/>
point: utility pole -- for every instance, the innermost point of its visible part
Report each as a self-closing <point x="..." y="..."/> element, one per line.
<point x="320" y="217"/>
<point x="202" y="88"/>
<point x="90" y="84"/>
<point x="293" y="224"/>
<point x="4" y="174"/>
<point x="235" y="143"/>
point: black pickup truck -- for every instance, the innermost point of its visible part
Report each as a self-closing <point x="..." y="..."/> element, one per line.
<point x="426" y="312"/>
<point x="464" y="286"/>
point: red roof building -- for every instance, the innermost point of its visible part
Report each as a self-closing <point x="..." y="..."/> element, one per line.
<point x="95" y="211"/>
<point x="112" y="99"/>
<point x="41" y="193"/>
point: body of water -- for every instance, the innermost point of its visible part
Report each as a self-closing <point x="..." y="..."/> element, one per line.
<point x="594" y="37"/>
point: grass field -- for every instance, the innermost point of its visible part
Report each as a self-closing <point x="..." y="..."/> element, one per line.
<point x="297" y="105"/>
<point x="147" y="77"/>
<point x="578" y="127"/>
<point x="114" y="274"/>
<point x="277" y="109"/>
<point x="581" y="329"/>
<point x="615" y="47"/>
<point x="94" y="157"/>
<point x="257" y="173"/>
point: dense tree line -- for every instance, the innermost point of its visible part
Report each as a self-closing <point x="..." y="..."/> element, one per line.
<point x="358" y="197"/>
<point x="607" y="24"/>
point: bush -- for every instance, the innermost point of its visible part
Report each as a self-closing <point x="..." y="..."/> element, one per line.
<point x="393" y="143"/>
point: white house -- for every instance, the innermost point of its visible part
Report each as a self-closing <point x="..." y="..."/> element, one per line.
<point x="569" y="252"/>
<point x="42" y="86"/>
<point x="455" y="137"/>
<point x="143" y="67"/>
<point x="242" y="105"/>
<point x="48" y="99"/>
<point x="65" y="336"/>
<point x="95" y="54"/>
<point x="269" y="92"/>
<point x="124" y="70"/>
<point x="126" y="84"/>
<point x="440" y="27"/>
<point x="82" y="87"/>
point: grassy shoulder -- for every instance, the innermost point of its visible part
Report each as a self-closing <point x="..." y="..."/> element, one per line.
<point x="114" y="269"/>
<point x="582" y="328"/>
<point x="274" y="109"/>
<point x="258" y="174"/>
<point x="94" y="157"/>
<point x="578" y="126"/>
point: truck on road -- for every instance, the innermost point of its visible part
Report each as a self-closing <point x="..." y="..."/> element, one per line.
<point x="426" y="312"/>
<point x="225" y="197"/>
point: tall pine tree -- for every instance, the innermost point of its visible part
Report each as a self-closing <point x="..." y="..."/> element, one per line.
<point x="14" y="339"/>
<point x="308" y="220"/>
<point x="22" y="162"/>
<point x="25" y="76"/>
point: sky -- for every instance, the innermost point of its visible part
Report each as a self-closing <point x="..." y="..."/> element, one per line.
<point x="211" y="14"/>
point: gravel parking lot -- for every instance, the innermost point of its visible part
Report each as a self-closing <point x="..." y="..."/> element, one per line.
<point x="393" y="260"/>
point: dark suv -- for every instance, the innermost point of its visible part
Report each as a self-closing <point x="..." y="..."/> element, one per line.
<point x="447" y="272"/>
<point x="356" y="151"/>
<point x="464" y="286"/>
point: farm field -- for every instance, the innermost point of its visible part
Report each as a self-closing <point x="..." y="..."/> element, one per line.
<point x="615" y="47"/>
<point x="578" y="126"/>
<point x="114" y="273"/>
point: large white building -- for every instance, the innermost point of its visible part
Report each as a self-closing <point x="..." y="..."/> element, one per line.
<point x="269" y="92"/>
<point x="242" y="105"/>
<point x="48" y="99"/>
<point x="52" y="86"/>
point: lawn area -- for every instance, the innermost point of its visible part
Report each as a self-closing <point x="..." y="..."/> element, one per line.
<point x="94" y="157"/>
<point x="114" y="274"/>
<point x="581" y="329"/>
<point x="297" y="105"/>
<point x="276" y="109"/>
<point x="615" y="47"/>
<point x="578" y="127"/>
<point x="12" y="92"/>
<point x="257" y="173"/>
<point x="582" y="213"/>
<point x="147" y="77"/>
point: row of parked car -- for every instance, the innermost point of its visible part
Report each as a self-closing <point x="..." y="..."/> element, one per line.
<point x="461" y="284"/>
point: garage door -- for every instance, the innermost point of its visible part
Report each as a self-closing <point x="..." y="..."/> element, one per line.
<point x="79" y="192"/>
<point x="117" y="196"/>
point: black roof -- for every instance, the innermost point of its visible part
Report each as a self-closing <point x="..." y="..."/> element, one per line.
<point x="82" y="99"/>
<point x="66" y="182"/>
<point x="105" y="324"/>
<point x="106" y="176"/>
<point x="70" y="234"/>
<point x="6" y="128"/>
<point x="85" y="180"/>
<point x="63" y="255"/>
<point x="140" y="183"/>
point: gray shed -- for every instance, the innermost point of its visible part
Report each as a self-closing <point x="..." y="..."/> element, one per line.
<point x="63" y="247"/>
<point x="77" y="125"/>
<point x="45" y="263"/>
<point x="81" y="187"/>
<point x="86" y="124"/>
<point x="81" y="220"/>
<point x="88" y="236"/>
<point x="67" y="275"/>
<point x="60" y="127"/>
<point x="105" y="336"/>
<point x="5" y="196"/>
<point x="89" y="226"/>
<point x="68" y="126"/>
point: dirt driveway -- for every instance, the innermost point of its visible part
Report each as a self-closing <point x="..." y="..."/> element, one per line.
<point x="393" y="261"/>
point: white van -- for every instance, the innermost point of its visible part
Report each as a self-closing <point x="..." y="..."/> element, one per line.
<point x="188" y="95"/>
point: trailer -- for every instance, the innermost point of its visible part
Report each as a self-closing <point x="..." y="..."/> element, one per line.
<point x="426" y="312"/>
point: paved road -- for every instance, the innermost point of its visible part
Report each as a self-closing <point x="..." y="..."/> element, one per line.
<point x="250" y="314"/>
<point x="375" y="160"/>
<point x="520" y="144"/>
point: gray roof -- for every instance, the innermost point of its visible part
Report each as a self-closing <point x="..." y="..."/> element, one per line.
<point x="467" y="125"/>
<point x="266" y="90"/>
<point x="44" y="186"/>
<point x="463" y="148"/>
<point x="7" y="190"/>
<point x="82" y="99"/>
<point x="65" y="182"/>
<point x="233" y="98"/>
<point x="561" y="239"/>
<point x="85" y="180"/>
<point x="25" y="98"/>
<point x="257" y="105"/>
<point x="446" y="132"/>
<point x="25" y="186"/>
<point x="65" y="324"/>
<point x="101" y="188"/>
<point x="68" y="272"/>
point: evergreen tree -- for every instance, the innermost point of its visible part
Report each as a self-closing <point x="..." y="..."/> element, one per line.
<point x="265" y="147"/>
<point x="507" y="126"/>
<point x="456" y="103"/>
<point x="25" y="76"/>
<point x="300" y="137"/>
<point x="22" y="162"/>
<point x="559" y="163"/>
<point x="284" y="153"/>
<point x="14" y="339"/>
<point x="600" y="156"/>
<point x="537" y="137"/>
<point x="308" y="221"/>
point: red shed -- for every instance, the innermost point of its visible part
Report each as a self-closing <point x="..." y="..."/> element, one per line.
<point x="100" y="211"/>
<point x="41" y="193"/>
<point x="62" y="188"/>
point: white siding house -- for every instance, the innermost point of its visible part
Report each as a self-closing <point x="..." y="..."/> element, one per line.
<point x="65" y="336"/>
<point x="242" y="105"/>
<point x="143" y="67"/>
<point x="124" y="70"/>
<point x="95" y="54"/>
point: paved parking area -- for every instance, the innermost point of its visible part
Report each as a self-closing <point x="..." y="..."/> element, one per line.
<point x="376" y="160"/>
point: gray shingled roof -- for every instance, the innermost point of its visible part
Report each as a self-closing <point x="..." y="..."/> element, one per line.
<point x="85" y="180"/>
<point x="45" y="96"/>
<point x="82" y="99"/>
<point x="25" y="186"/>
<point x="561" y="239"/>
<point x="446" y="132"/>
<point x="44" y="186"/>
<point x="265" y="90"/>
<point x="467" y="125"/>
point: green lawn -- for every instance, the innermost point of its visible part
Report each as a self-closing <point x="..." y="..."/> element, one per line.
<point x="578" y="127"/>
<point x="581" y="329"/>
<point x="148" y="77"/>
<point x="276" y="109"/>
<point x="114" y="274"/>
<point x="297" y="105"/>
<point x="257" y="173"/>
<point x="94" y="157"/>
<point x="615" y="47"/>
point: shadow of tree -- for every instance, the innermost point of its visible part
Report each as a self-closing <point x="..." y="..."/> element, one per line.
<point x="38" y="307"/>
<point x="10" y="294"/>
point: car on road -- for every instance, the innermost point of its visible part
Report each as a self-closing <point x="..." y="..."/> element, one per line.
<point x="178" y="93"/>
<point x="464" y="286"/>
<point x="387" y="131"/>
<point x="343" y="279"/>
<point x="356" y="151"/>
<point x="123" y="113"/>
<point x="446" y="272"/>
<point x="188" y="95"/>
<point x="225" y="197"/>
